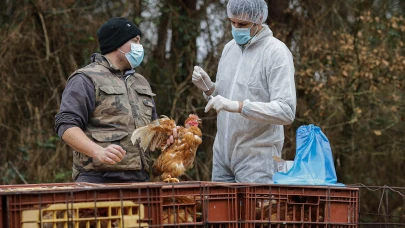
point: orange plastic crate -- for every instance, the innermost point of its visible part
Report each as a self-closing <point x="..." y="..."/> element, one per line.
<point x="298" y="206"/>
<point x="199" y="204"/>
<point x="81" y="205"/>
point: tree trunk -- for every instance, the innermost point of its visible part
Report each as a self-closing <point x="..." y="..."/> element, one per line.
<point x="277" y="12"/>
<point x="137" y="8"/>
<point x="163" y="26"/>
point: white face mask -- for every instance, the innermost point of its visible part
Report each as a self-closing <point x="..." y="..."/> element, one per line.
<point x="135" y="56"/>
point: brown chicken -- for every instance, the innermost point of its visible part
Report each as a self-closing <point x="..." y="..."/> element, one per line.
<point x="179" y="156"/>
<point x="181" y="209"/>
<point x="280" y="210"/>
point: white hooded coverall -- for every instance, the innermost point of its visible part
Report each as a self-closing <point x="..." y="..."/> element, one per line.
<point x="262" y="76"/>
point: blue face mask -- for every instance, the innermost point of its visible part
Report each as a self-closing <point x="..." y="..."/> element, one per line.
<point x="241" y="35"/>
<point x="135" y="56"/>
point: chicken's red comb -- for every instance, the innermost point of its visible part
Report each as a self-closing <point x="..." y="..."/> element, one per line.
<point x="193" y="116"/>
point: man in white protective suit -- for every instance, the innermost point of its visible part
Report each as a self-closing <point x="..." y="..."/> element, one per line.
<point x="254" y="96"/>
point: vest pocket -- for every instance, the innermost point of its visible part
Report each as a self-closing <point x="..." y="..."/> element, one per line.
<point x="112" y="90"/>
<point x="112" y="100"/>
<point x="104" y="139"/>
<point x="144" y="90"/>
<point x="149" y="106"/>
<point x="145" y="105"/>
<point x="109" y="136"/>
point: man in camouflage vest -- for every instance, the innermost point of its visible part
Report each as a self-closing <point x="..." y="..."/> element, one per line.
<point x="102" y="104"/>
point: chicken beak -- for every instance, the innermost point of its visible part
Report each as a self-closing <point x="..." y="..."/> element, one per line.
<point x="199" y="121"/>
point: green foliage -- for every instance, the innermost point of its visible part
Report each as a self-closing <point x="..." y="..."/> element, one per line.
<point x="50" y="143"/>
<point x="62" y="176"/>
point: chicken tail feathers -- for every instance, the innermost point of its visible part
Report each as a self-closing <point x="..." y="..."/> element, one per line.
<point x="154" y="134"/>
<point x="144" y="135"/>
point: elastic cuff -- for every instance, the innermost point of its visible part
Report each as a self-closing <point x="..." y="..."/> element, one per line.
<point x="245" y="109"/>
<point x="240" y="106"/>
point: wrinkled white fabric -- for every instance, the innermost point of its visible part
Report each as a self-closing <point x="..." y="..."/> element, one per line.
<point x="262" y="76"/>
<point x="254" y="11"/>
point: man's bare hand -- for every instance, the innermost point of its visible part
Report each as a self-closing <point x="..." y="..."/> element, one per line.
<point x="111" y="154"/>
<point x="173" y="137"/>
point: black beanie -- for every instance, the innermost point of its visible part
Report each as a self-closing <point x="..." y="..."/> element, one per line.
<point x="116" y="32"/>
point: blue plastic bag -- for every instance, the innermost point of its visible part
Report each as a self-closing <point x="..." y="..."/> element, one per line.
<point x="313" y="163"/>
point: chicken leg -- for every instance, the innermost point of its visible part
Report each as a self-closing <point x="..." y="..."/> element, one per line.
<point x="169" y="179"/>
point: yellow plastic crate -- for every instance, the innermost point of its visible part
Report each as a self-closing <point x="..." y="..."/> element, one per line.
<point x="105" y="214"/>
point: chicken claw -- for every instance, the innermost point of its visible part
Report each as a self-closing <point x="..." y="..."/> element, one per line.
<point x="170" y="179"/>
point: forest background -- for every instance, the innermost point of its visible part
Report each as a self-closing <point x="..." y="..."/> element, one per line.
<point x="349" y="59"/>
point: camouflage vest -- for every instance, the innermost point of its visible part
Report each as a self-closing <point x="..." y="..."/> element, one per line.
<point x="121" y="106"/>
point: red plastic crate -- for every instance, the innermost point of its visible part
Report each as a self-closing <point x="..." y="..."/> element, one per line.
<point x="298" y="206"/>
<point x="81" y="204"/>
<point x="1" y="211"/>
<point x="199" y="204"/>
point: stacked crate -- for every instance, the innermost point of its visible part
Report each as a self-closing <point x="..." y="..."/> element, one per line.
<point x="2" y="212"/>
<point x="200" y="204"/>
<point x="81" y="205"/>
<point x="184" y="204"/>
<point x="298" y="206"/>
